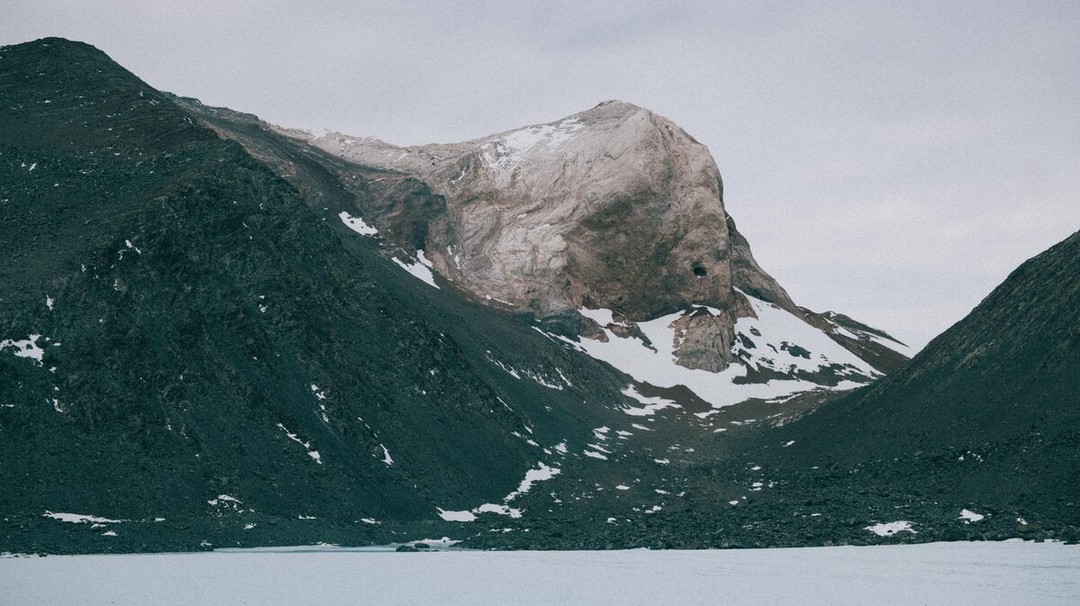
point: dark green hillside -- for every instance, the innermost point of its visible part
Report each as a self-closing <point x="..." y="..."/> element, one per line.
<point x="201" y="313"/>
<point x="83" y="144"/>
<point x="987" y="416"/>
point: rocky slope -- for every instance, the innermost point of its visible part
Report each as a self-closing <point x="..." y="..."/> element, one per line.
<point x="988" y="413"/>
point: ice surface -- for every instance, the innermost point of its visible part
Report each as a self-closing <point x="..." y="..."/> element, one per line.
<point x="935" y="573"/>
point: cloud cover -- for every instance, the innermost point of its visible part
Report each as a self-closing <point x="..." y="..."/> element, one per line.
<point x="893" y="161"/>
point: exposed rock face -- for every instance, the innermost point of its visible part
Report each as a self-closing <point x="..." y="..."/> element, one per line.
<point x="615" y="207"/>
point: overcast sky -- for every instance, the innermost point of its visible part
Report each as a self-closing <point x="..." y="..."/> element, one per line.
<point x="892" y="161"/>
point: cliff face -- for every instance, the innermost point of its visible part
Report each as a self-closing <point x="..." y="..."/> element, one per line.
<point x="615" y="207"/>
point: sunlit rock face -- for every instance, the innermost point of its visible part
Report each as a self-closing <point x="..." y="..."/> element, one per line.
<point x="615" y="207"/>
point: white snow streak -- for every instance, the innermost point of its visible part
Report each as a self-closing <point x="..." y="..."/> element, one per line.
<point x="314" y="454"/>
<point x="79" y="518"/>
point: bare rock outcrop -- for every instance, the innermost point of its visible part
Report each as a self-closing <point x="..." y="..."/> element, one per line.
<point x="615" y="207"/>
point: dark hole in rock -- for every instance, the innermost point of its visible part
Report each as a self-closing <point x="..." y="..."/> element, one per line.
<point x="699" y="271"/>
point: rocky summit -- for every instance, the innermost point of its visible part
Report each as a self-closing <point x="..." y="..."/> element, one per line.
<point x="219" y="332"/>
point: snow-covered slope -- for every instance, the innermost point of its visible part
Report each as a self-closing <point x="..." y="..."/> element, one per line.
<point x="776" y="355"/>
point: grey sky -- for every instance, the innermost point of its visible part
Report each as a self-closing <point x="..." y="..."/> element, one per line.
<point x="893" y="161"/>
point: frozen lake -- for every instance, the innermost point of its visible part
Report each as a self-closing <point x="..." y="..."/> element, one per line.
<point x="940" y="573"/>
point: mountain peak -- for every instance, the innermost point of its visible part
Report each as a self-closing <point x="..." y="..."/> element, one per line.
<point x="613" y="106"/>
<point x="54" y="48"/>
<point x="614" y="208"/>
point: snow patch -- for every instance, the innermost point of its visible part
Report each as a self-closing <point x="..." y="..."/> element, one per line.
<point x="357" y="224"/>
<point x="418" y="270"/>
<point x="456" y="516"/>
<point x="25" y="348"/>
<point x="969" y="516"/>
<point x="540" y="474"/>
<point x="891" y="528"/>
<point x="786" y="344"/>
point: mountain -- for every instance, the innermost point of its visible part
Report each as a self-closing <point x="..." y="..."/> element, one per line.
<point x="614" y="208"/>
<point x="219" y="332"/>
